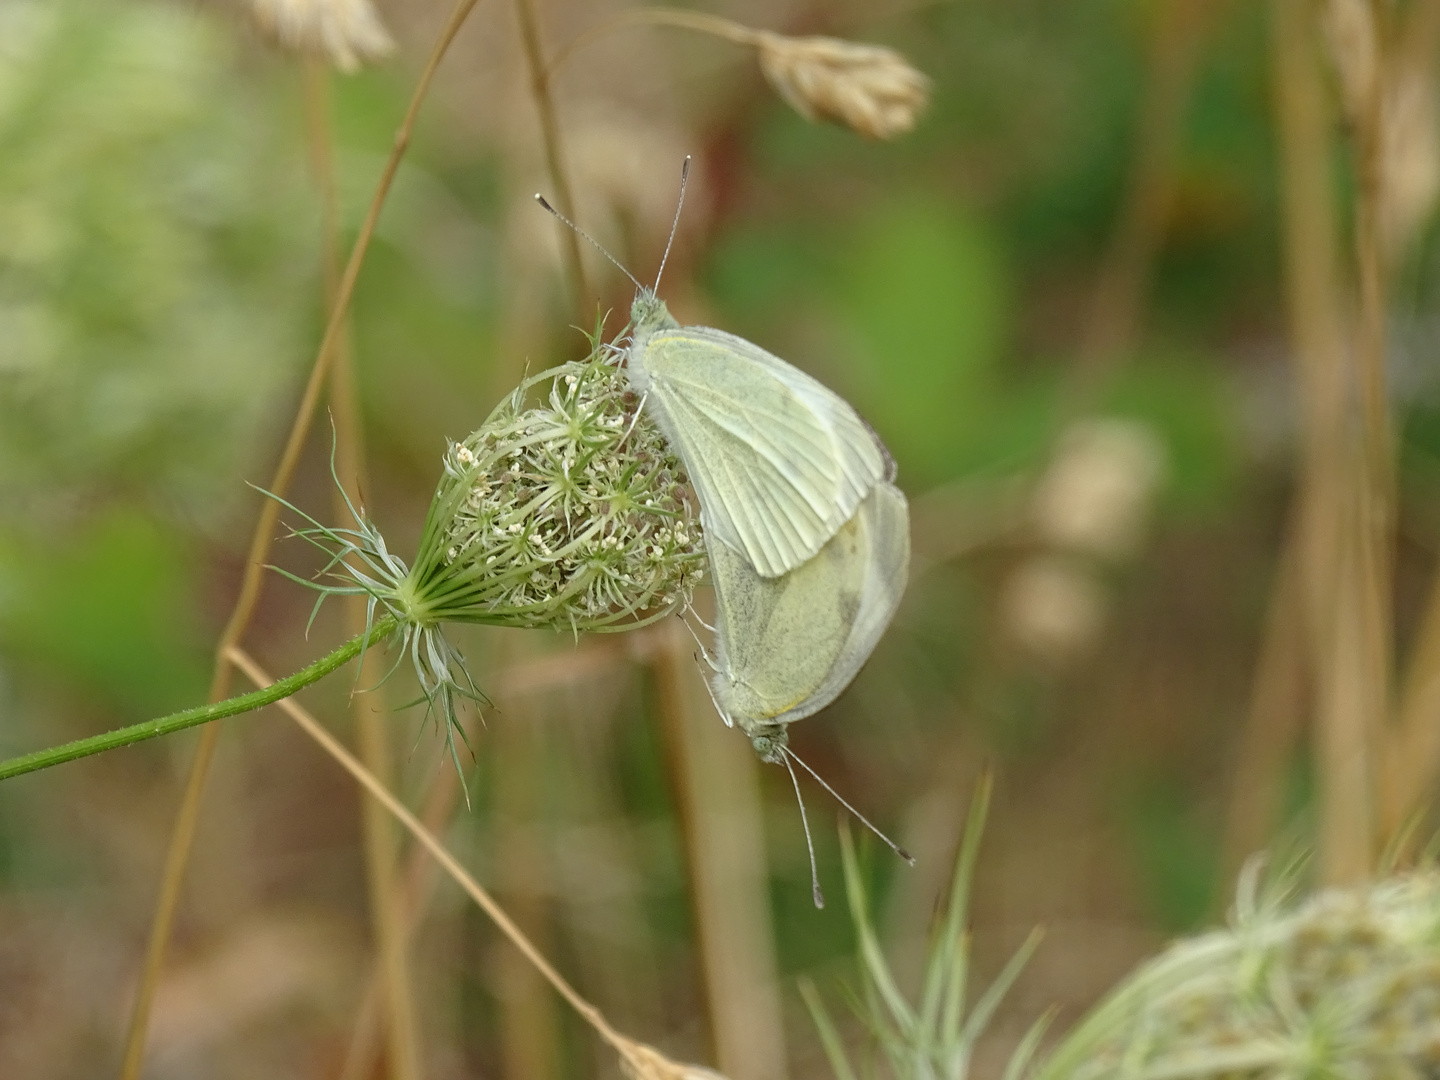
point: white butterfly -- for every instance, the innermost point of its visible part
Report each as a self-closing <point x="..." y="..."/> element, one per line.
<point x="808" y="539"/>
<point x="786" y="647"/>
<point x="778" y="460"/>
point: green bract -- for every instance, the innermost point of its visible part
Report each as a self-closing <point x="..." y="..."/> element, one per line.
<point x="572" y="514"/>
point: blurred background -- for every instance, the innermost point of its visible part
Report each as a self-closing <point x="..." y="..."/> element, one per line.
<point x="1088" y="303"/>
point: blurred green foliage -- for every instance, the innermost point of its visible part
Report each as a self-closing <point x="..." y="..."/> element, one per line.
<point x="109" y="612"/>
<point x="153" y="232"/>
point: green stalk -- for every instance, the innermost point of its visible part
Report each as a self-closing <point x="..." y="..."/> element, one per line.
<point x="201" y="714"/>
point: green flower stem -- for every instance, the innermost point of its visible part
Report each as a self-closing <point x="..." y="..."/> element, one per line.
<point x="202" y="714"/>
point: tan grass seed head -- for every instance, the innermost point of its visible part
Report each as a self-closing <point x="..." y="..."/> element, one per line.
<point x="348" y="32"/>
<point x="869" y="88"/>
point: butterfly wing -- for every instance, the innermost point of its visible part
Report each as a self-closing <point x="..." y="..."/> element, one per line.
<point x="788" y="646"/>
<point x="779" y="461"/>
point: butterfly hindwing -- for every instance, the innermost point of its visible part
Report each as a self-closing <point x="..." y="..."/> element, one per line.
<point x="788" y="646"/>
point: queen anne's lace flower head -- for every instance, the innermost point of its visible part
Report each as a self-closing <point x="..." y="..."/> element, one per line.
<point x="571" y="514"/>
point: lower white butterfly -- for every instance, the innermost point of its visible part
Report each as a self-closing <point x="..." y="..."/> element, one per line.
<point x="786" y="647"/>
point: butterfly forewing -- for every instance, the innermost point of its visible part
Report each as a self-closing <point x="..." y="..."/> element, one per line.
<point x="779" y="461"/>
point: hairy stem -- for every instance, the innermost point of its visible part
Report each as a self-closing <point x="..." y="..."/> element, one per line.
<point x="200" y="714"/>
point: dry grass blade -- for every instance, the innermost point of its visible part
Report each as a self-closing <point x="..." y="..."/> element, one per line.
<point x="717" y="782"/>
<point x="554" y="151"/>
<point x="641" y="1061"/>
<point x="1175" y="50"/>
<point x="1338" y="572"/>
<point x="368" y="713"/>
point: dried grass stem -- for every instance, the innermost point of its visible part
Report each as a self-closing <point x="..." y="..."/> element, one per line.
<point x="177" y="855"/>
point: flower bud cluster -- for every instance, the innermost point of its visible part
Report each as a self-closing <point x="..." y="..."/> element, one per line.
<point x="573" y="514"/>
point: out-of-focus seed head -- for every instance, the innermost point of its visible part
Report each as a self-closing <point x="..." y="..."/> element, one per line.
<point x="1096" y="494"/>
<point x="348" y="32"/>
<point x="1345" y="984"/>
<point x="869" y="88"/>
<point x="642" y="1062"/>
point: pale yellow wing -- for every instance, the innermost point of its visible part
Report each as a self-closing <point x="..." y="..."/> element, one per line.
<point x="788" y="646"/>
<point x="779" y="461"/>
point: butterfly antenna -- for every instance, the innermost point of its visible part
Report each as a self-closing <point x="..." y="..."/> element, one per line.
<point x="805" y="824"/>
<point x="684" y="175"/>
<point x="593" y="242"/>
<point x="859" y="816"/>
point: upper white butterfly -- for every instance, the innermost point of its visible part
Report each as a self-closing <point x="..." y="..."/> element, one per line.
<point x="778" y="460"/>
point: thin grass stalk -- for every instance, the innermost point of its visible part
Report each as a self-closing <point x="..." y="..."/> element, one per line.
<point x="718" y="793"/>
<point x="413" y="886"/>
<point x="1414" y="751"/>
<point x="1370" y="274"/>
<point x="1280" y="693"/>
<point x="416" y="883"/>
<point x="369" y="711"/>
<point x="1376" y="491"/>
<point x="1415" y="748"/>
<point x="332" y="746"/>
<point x="1326" y="496"/>
<point x="699" y="21"/>
<point x="1176" y="46"/>
<point x="554" y="153"/>
<point x="177" y="855"/>
<point x="528" y="1022"/>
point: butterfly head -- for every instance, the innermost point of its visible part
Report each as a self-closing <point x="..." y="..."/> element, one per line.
<point x="648" y="314"/>
<point x="769" y="741"/>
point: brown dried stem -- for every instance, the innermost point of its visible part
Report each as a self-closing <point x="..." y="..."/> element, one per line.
<point x="1280" y="694"/>
<point x="1117" y="307"/>
<point x="554" y="154"/>
<point x="1415" y="743"/>
<point x="715" y="775"/>
<point x="368" y="710"/>
<point x="182" y="835"/>
<point x="1328" y="540"/>
<point x="332" y="746"/>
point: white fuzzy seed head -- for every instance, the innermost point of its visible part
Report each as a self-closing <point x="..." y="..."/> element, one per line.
<point x="1345" y="984"/>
